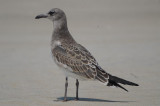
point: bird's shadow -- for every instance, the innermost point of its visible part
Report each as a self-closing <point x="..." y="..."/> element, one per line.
<point x="89" y="100"/>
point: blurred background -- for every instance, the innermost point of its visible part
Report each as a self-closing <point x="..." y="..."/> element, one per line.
<point x="123" y="35"/>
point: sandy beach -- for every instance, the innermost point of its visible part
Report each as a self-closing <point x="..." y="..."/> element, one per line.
<point x="123" y="36"/>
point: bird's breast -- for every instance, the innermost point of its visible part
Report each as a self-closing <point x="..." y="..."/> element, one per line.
<point x="55" y="43"/>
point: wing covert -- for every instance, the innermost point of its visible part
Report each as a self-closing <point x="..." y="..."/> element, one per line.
<point x="80" y="61"/>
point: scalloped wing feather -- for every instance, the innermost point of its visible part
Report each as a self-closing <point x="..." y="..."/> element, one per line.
<point x="80" y="61"/>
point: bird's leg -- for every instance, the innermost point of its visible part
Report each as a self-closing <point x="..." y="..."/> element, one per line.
<point x="77" y="86"/>
<point x="66" y="85"/>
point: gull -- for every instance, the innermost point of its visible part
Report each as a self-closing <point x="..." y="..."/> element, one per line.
<point x="74" y="59"/>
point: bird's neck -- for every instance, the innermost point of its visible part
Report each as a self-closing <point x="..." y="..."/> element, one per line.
<point x="60" y="25"/>
<point x="60" y="30"/>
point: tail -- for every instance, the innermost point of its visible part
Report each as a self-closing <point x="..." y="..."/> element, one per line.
<point x="110" y="80"/>
<point x="113" y="81"/>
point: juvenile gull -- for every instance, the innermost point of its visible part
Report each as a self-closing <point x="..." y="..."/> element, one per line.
<point x="74" y="59"/>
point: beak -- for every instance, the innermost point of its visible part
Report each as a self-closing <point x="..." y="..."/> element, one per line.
<point x="41" y="16"/>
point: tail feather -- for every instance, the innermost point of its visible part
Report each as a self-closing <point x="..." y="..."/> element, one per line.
<point x="113" y="81"/>
<point x="122" y="81"/>
<point x="110" y="80"/>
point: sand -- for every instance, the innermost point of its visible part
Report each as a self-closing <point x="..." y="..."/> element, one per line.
<point x="124" y="37"/>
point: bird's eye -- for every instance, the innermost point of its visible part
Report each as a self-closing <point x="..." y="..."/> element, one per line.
<point x="51" y="12"/>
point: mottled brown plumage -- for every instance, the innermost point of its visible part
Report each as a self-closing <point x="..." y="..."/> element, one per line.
<point x="79" y="60"/>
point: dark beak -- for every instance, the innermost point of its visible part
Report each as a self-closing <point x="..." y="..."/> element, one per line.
<point x="41" y="16"/>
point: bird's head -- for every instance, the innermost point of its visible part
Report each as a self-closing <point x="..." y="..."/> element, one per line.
<point x="53" y="15"/>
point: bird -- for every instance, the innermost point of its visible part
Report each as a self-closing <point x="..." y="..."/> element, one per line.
<point x="73" y="58"/>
